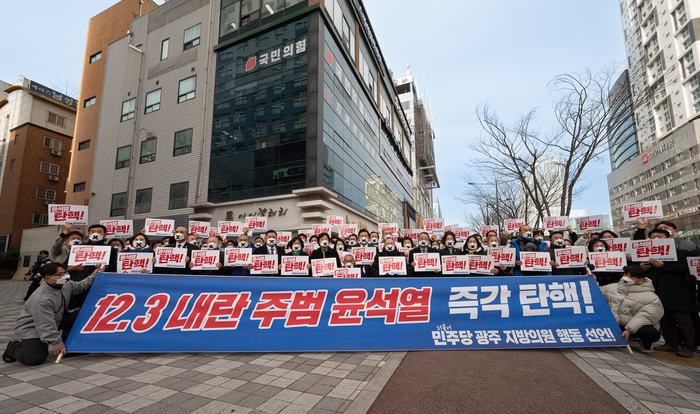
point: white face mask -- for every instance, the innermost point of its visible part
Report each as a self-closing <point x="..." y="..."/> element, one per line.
<point x="599" y="249"/>
<point x="62" y="280"/>
<point x="352" y="242"/>
<point x="213" y="246"/>
<point x="407" y="246"/>
<point x="348" y="265"/>
<point x="296" y="247"/>
<point x="74" y="242"/>
<point x="96" y="237"/>
<point x="527" y="235"/>
<point x="374" y="240"/>
<point x="271" y="242"/>
<point x="340" y="248"/>
<point x="389" y="247"/>
<point x="472" y="246"/>
<point x="627" y="281"/>
<point x="179" y="236"/>
<point x="332" y="246"/>
<point x="258" y="245"/>
<point x="243" y="245"/>
<point x="387" y="237"/>
<point x="363" y="240"/>
<point x="540" y="238"/>
<point x="423" y="243"/>
<point x="493" y="244"/>
<point x="323" y="243"/>
<point x="139" y="244"/>
<point x="449" y="243"/>
<point x="558" y="242"/>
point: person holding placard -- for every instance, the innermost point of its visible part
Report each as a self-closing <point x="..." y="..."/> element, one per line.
<point x="636" y="307"/>
<point x="557" y="243"/>
<point x="671" y="228"/>
<point x="676" y="288"/>
<point x="473" y="246"/>
<point x="210" y="244"/>
<point x="587" y="237"/>
<point x="348" y="260"/>
<point x="96" y="235"/>
<point x="340" y="246"/>
<point x="449" y="240"/>
<point x="388" y="250"/>
<point x="297" y="249"/>
<point x="324" y="250"/>
<point x="271" y="247"/>
<point x="352" y="240"/>
<point x="60" y="249"/>
<point x="602" y="277"/>
<point x="374" y="239"/>
<point x="423" y="247"/>
<point x="525" y="243"/>
<point x="139" y="243"/>
<point x="180" y="242"/>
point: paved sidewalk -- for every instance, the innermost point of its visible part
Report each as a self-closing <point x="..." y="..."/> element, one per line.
<point x="289" y="383"/>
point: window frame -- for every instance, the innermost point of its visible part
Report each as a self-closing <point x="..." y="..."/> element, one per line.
<point x="89" y="102"/>
<point x="53" y="141"/>
<point x="51" y="166"/>
<point x="164" y="48"/>
<point x="170" y="196"/>
<point x="186" y="95"/>
<point x="132" y="113"/>
<point x="47" y="191"/>
<point x="142" y="191"/>
<point x="43" y="219"/>
<point x="84" y="145"/>
<point x="146" y="110"/>
<point x="75" y="187"/>
<point x="189" y="146"/>
<point x="124" y="163"/>
<point x="149" y="157"/>
<point x="115" y="212"/>
<point x="94" y="58"/>
<point x="189" y="44"/>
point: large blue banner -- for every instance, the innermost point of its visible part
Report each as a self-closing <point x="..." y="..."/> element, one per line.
<point x="168" y="313"/>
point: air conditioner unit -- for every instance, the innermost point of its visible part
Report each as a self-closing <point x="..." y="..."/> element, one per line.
<point x="56" y="152"/>
<point x="53" y="178"/>
<point x="47" y="202"/>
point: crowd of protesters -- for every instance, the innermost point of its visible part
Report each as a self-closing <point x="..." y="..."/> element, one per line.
<point x="649" y="299"/>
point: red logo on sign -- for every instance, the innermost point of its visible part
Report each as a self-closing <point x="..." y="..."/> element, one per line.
<point x="250" y="64"/>
<point x="645" y="158"/>
<point x="329" y="57"/>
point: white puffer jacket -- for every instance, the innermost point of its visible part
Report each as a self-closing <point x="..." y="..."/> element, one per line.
<point x="634" y="306"/>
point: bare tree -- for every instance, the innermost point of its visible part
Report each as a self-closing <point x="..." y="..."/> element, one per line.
<point x="494" y="200"/>
<point x="66" y="87"/>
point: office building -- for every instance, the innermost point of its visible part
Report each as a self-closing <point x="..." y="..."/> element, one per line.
<point x="224" y="110"/>
<point x="622" y="137"/>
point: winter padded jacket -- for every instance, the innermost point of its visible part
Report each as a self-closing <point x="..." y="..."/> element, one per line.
<point x="634" y="306"/>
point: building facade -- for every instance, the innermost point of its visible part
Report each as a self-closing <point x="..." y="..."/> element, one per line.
<point x="103" y="29"/>
<point x="37" y="131"/>
<point x="622" y="136"/>
<point x="221" y="110"/>
<point x="661" y="41"/>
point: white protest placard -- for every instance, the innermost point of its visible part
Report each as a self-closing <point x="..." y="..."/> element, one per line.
<point x="405" y="251"/>
<point x="483" y="230"/>
<point x="480" y="264"/>
<point x="256" y="224"/>
<point x="158" y="227"/>
<point x="230" y="228"/>
<point x="264" y="264"/>
<point x="608" y="261"/>
<point x="214" y="231"/>
<point x="556" y="223"/>
<point x="502" y="256"/>
<point x="427" y="262"/>
<point x="321" y="228"/>
<point x="462" y="234"/>
<point x="435" y="225"/>
<point x="200" y="228"/>
<point x="411" y="233"/>
<point x="309" y="248"/>
<point x="171" y="257"/>
<point x="283" y="237"/>
<point x="451" y="227"/>
<point x="514" y="225"/>
<point x="570" y="257"/>
<point x="118" y="229"/>
<point x="592" y="223"/>
<point x="323" y="267"/>
<point x="89" y="255"/>
<point x="658" y="249"/>
<point x="66" y="213"/>
<point x="394" y="227"/>
<point x="134" y="262"/>
<point x="307" y="233"/>
<point x="621" y="244"/>
<point x="364" y="255"/>
<point x="234" y="256"/>
<point x="535" y="262"/>
<point x="205" y="259"/>
<point x="334" y="221"/>
<point x="455" y="265"/>
<point x="392" y="265"/>
<point x="347" y="229"/>
<point x="694" y="266"/>
<point x="644" y="209"/>
<point x="295" y="265"/>
<point x="348" y="273"/>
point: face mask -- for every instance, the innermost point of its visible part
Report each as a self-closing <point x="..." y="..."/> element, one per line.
<point x="213" y="246"/>
<point x="340" y="248"/>
<point x="332" y="246"/>
<point x="139" y="244"/>
<point x="74" y="242"/>
<point x="423" y="243"/>
<point x="243" y="245"/>
<point x="63" y="279"/>
<point x="197" y="243"/>
<point x="387" y="237"/>
<point x="348" y="265"/>
<point x="436" y="246"/>
<point x="472" y="246"/>
<point x="96" y="237"/>
<point x="324" y="243"/>
<point x="258" y="245"/>
<point x="627" y="281"/>
<point x="527" y="235"/>
<point x="179" y="236"/>
<point x="352" y="242"/>
<point x="296" y="247"/>
<point x="558" y="242"/>
<point x="363" y="240"/>
<point x="374" y="240"/>
<point x="271" y="242"/>
<point x="493" y="244"/>
<point x="449" y="243"/>
<point x="407" y="246"/>
<point x="599" y="249"/>
<point x="390" y="247"/>
<point x="540" y="238"/>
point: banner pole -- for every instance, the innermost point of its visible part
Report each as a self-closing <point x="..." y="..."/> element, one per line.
<point x="60" y="357"/>
<point x="629" y="350"/>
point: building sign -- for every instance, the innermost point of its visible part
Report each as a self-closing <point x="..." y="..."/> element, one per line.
<point x="48" y="92"/>
<point x="650" y="155"/>
<point x="271" y="56"/>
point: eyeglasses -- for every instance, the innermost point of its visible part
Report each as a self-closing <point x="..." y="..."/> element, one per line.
<point x="61" y="274"/>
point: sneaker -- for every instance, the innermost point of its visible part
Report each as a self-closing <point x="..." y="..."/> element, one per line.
<point x="685" y="352"/>
<point x="6" y="357"/>
<point x="666" y="348"/>
<point x="644" y="350"/>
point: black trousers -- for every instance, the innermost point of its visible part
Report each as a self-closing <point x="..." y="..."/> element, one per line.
<point x="29" y="351"/>
<point x="647" y="334"/>
<point x="677" y="327"/>
<point x="36" y="282"/>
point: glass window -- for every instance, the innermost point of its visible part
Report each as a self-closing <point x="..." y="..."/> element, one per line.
<point x="27" y="259"/>
<point x="352" y="43"/>
<point x="78" y="187"/>
<point x="178" y="195"/>
<point x="89" y="102"/>
<point x="12" y="164"/>
<point x="186" y="89"/>
<point x="270" y="7"/>
<point x="250" y="11"/>
<point x="38" y="218"/>
<point x="56" y="119"/>
<point x="49" y="168"/>
<point x="118" y="203"/>
<point x="153" y="101"/>
<point x="229" y="17"/>
<point x="164" y="49"/>
<point x="143" y="200"/>
<point x="346" y="33"/>
<point x="191" y="38"/>
<point x="53" y="143"/>
<point x="183" y="142"/>
<point x="148" y="151"/>
<point x="97" y="56"/>
<point x="128" y="109"/>
<point x="123" y="157"/>
<point x="45" y="194"/>
<point x="84" y="145"/>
